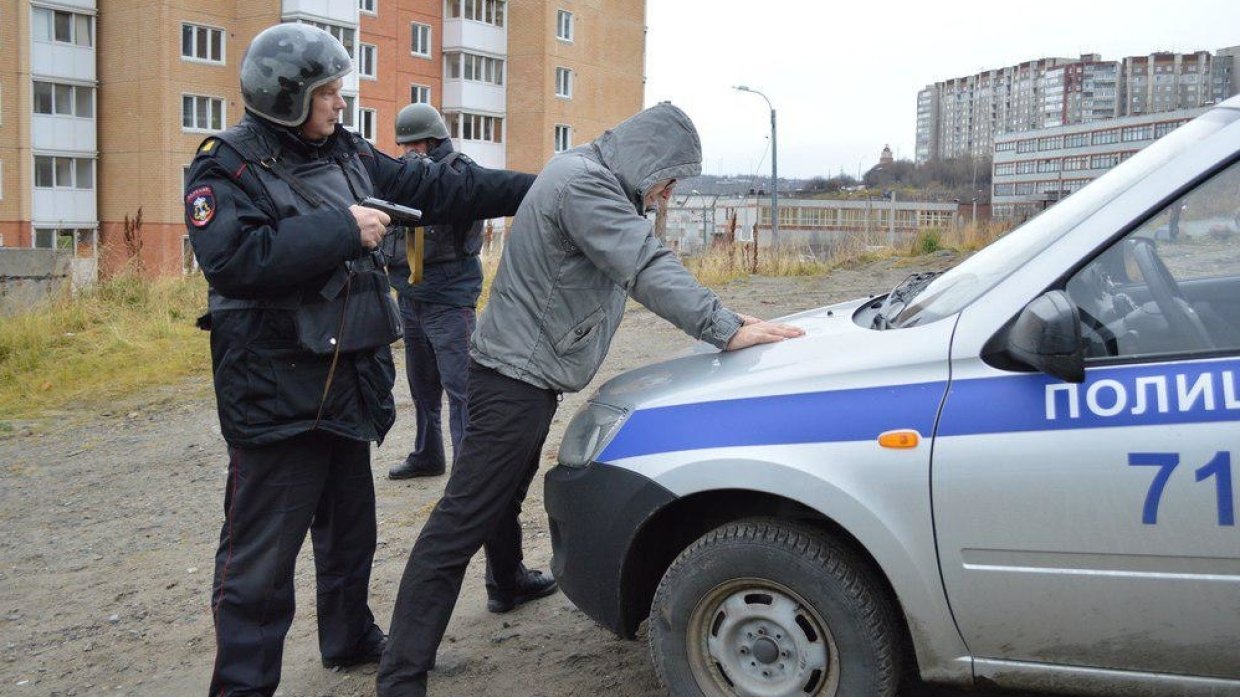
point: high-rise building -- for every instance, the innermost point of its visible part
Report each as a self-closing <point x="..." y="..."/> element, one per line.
<point x="578" y="69"/>
<point x="103" y="103"/>
<point x="961" y="117"/>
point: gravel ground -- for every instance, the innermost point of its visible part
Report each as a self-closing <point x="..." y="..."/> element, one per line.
<point x="111" y="516"/>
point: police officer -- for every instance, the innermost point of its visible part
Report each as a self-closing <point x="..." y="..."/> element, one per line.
<point x="437" y="313"/>
<point x="300" y="319"/>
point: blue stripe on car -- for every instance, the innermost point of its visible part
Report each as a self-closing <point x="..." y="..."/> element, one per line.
<point x="1004" y="404"/>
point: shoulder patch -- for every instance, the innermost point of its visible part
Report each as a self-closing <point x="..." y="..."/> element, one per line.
<point x="200" y="206"/>
<point x="207" y="147"/>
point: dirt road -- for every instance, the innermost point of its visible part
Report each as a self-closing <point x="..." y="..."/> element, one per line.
<point x="111" y="514"/>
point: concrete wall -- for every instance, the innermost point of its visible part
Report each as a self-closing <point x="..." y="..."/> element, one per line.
<point x="28" y="276"/>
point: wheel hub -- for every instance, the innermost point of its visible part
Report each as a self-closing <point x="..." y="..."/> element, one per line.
<point x="761" y="640"/>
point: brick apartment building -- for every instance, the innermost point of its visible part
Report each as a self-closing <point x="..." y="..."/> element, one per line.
<point x="106" y="101"/>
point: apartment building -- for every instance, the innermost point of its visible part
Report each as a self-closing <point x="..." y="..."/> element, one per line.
<point x="105" y="102"/>
<point x="578" y="68"/>
<point x="962" y="117"/>
<point x="1033" y="171"/>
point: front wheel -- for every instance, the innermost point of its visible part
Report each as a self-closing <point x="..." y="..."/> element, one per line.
<point x="764" y="609"/>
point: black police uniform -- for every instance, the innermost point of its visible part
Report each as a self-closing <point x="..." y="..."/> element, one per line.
<point x="438" y="317"/>
<point x="269" y="222"/>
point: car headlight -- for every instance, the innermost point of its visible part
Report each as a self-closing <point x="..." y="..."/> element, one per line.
<point x="589" y="432"/>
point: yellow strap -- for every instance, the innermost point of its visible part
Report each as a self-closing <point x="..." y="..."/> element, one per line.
<point x="415" y="244"/>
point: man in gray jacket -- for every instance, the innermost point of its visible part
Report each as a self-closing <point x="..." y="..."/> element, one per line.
<point x="580" y="246"/>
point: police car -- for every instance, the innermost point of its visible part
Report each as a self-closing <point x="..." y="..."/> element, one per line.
<point x="1022" y="472"/>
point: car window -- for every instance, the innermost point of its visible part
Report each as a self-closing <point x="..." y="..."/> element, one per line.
<point x="1171" y="286"/>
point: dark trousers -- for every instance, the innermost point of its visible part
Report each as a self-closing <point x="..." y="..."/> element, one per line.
<point x="508" y="422"/>
<point x="317" y="482"/>
<point x="437" y="360"/>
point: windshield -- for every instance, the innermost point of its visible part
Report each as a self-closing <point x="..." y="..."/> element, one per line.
<point x="952" y="291"/>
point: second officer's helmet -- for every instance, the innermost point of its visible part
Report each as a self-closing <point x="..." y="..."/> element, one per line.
<point x="284" y="65"/>
<point x="419" y="121"/>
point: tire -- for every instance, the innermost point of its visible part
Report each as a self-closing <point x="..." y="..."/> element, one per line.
<point x="771" y="609"/>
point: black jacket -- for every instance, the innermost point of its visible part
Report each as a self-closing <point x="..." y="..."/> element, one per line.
<point x="452" y="273"/>
<point x="255" y="239"/>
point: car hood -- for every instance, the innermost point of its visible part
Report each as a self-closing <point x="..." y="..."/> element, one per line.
<point x="835" y="353"/>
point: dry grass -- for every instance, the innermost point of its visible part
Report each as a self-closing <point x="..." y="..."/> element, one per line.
<point x="106" y="342"/>
<point x="129" y="333"/>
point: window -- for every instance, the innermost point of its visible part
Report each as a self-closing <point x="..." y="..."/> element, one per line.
<point x="200" y="113"/>
<point x="62" y="27"/>
<point x="1106" y="137"/>
<point x="419" y="94"/>
<point x="64" y="172"/>
<point x="350" y="106"/>
<point x="202" y="43"/>
<point x="420" y="41"/>
<point x="471" y="66"/>
<point x="467" y="126"/>
<point x="564" y="25"/>
<point x="1168" y="286"/>
<point x="367" y="61"/>
<point x="64" y="100"/>
<point x="81" y="242"/>
<point x="345" y="35"/>
<point x="564" y="83"/>
<point x="367" y="6"/>
<point x="366" y="126"/>
<point x="489" y="11"/>
<point x="563" y="137"/>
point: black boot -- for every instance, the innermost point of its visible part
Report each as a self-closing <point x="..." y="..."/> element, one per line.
<point x="531" y="585"/>
<point x="412" y="467"/>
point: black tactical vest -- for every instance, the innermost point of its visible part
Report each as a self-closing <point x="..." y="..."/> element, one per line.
<point x="292" y="185"/>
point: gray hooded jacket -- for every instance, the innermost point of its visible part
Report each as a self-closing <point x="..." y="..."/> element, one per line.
<point x="579" y="246"/>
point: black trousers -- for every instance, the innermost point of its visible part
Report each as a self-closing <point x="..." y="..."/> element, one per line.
<point x="317" y="482"/>
<point x="508" y="423"/>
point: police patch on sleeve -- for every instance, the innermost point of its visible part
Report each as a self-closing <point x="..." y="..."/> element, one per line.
<point x="200" y="206"/>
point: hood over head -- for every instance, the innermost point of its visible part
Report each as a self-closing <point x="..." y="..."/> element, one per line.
<point x="652" y="145"/>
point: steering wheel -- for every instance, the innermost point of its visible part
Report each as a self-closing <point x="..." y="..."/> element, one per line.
<point x="1168" y="296"/>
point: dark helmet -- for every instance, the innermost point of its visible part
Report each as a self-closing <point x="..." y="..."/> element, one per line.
<point x="284" y="65"/>
<point x="418" y="121"/>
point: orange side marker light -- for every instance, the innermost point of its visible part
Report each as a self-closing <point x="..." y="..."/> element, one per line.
<point x="904" y="439"/>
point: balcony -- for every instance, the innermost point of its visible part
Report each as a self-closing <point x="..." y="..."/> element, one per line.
<point x="63" y="134"/>
<point x="474" y="36"/>
<point x="337" y="11"/>
<point x="477" y="97"/>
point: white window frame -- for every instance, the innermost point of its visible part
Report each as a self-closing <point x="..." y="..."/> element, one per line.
<point x="209" y="30"/>
<point x="497" y="10"/>
<point x="368" y="7"/>
<point x="415" y="90"/>
<point x="367" y="123"/>
<point x="563" y="137"/>
<point x="563" y="82"/>
<point x="564" y="26"/>
<point x="347" y="117"/>
<point x="75" y="91"/>
<point x="73" y="26"/>
<point x="417" y="29"/>
<point x="196" y="128"/>
<point x="368" y="61"/>
<point x="73" y="172"/>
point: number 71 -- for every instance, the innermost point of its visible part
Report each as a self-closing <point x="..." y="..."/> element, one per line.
<point x="1219" y="467"/>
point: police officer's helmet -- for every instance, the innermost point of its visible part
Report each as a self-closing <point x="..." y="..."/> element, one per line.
<point x="419" y="121"/>
<point x="284" y="65"/>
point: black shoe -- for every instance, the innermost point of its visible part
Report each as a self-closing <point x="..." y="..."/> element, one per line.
<point x="412" y="468"/>
<point x="531" y="585"/>
<point x="370" y="655"/>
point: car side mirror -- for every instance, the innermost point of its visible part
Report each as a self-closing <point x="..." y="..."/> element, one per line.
<point x="1047" y="336"/>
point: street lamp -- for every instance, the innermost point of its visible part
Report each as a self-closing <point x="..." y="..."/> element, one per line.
<point x="774" y="168"/>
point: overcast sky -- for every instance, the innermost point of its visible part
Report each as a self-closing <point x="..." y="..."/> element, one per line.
<point x="843" y="76"/>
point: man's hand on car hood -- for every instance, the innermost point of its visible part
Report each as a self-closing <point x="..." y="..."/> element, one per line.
<point x="755" y="331"/>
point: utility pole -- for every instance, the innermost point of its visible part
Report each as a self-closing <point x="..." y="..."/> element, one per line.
<point x="774" y="168"/>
